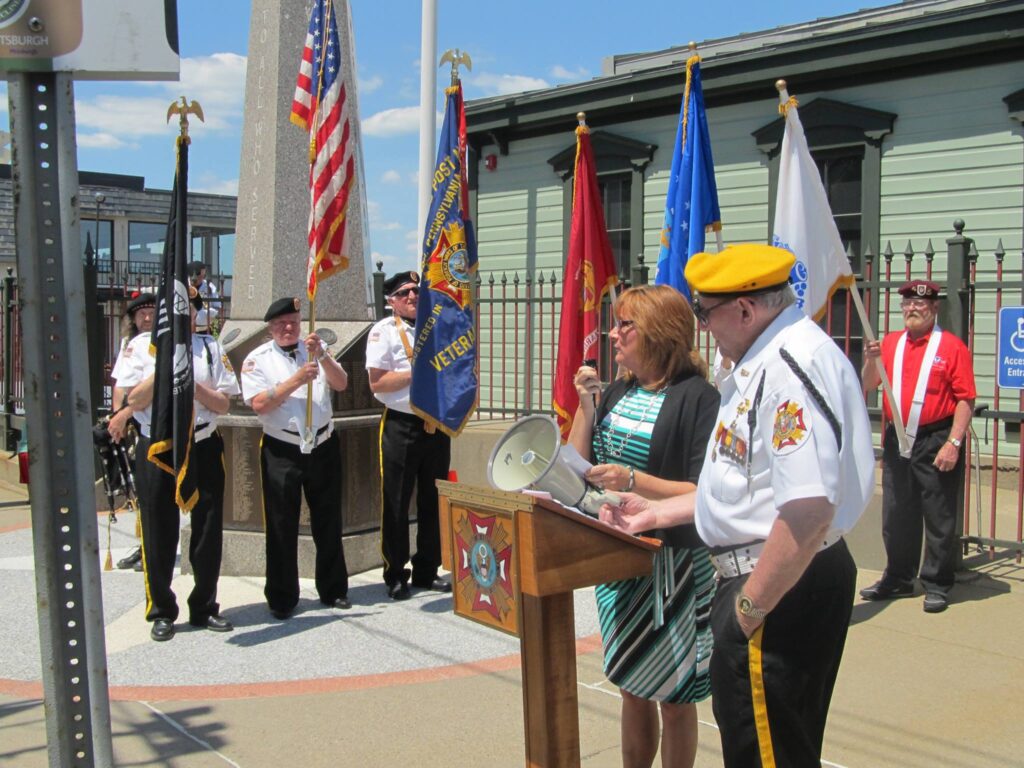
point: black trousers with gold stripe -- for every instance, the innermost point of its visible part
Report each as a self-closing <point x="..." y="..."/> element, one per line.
<point x="207" y="523"/>
<point x="287" y="473"/>
<point x="771" y="693"/>
<point x="410" y="456"/>
<point x="160" y="526"/>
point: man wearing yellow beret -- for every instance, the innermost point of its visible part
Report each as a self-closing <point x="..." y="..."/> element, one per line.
<point x="788" y="471"/>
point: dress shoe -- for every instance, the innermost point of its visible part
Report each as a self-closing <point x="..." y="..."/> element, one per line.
<point x="213" y="623"/>
<point x="436" y="584"/>
<point x="339" y="602"/>
<point x="887" y="590"/>
<point x="399" y="591"/>
<point x="163" y="629"/>
<point x="138" y="566"/>
<point x="935" y="602"/>
<point x="280" y="615"/>
<point x="129" y="561"/>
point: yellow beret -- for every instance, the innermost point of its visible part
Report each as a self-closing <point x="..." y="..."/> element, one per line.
<point x="742" y="268"/>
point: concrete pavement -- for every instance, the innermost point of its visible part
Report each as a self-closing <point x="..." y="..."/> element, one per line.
<point x="412" y="684"/>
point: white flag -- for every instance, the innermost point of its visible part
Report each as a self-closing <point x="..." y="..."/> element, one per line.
<point x="804" y="223"/>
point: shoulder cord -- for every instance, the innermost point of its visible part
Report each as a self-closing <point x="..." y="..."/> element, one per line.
<point x="830" y="416"/>
<point x="752" y="420"/>
<point x="209" y="355"/>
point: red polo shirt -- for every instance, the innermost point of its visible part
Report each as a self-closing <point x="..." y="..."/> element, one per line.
<point x="951" y="379"/>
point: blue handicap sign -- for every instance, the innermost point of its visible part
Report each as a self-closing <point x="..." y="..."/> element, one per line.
<point x="1011" y="348"/>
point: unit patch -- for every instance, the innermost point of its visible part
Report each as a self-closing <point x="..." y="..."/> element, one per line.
<point x="792" y="426"/>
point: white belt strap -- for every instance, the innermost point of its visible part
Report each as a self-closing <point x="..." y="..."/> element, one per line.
<point x="917" y="403"/>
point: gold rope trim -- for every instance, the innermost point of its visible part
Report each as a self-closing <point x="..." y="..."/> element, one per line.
<point x="790" y="102"/>
<point x="757" y="695"/>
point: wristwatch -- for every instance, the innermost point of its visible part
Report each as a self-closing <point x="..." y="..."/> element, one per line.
<point x="746" y="606"/>
<point x="956" y="443"/>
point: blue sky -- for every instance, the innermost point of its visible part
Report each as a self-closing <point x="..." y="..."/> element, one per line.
<point x="515" y="46"/>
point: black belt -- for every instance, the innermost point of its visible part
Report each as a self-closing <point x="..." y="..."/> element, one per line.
<point x="298" y="434"/>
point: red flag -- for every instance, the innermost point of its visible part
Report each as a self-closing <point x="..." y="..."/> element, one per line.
<point x="589" y="275"/>
<point x="322" y="105"/>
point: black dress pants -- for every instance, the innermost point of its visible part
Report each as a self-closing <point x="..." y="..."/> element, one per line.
<point x="916" y="495"/>
<point x="206" y="544"/>
<point x="771" y="693"/>
<point x="286" y="474"/>
<point x="160" y="525"/>
<point x="410" y="456"/>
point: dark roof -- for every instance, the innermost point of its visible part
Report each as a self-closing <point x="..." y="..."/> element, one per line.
<point x="869" y="46"/>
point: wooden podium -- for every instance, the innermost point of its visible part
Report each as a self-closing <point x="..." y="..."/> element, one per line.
<point x="515" y="561"/>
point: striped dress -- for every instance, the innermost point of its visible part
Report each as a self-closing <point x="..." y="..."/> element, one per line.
<point x="655" y="629"/>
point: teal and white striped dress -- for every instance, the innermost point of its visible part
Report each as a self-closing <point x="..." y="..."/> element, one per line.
<point x="656" y="646"/>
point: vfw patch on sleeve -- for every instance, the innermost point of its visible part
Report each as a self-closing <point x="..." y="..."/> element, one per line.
<point x="248" y="365"/>
<point x="792" y="427"/>
<point x="227" y="364"/>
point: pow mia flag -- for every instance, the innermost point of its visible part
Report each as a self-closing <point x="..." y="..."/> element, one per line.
<point x="171" y="345"/>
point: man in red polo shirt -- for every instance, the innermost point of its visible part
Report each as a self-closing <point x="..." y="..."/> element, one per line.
<point x="933" y="382"/>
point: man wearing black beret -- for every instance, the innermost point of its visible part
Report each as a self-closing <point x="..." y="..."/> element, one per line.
<point x="933" y="383"/>
<point x="409" y="455"/>
<point x="294" y="460"/>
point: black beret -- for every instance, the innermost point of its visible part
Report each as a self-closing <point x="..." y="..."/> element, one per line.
<point x="280" y="307"/>
<point x="140" y="301"/>
<point x="399" y="279"/>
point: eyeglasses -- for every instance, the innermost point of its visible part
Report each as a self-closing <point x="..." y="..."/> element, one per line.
<point x="414" y="290"/>
<point x="622" y="325"/>
<point x="918" y="303"/>
<point x="702" y="313"/>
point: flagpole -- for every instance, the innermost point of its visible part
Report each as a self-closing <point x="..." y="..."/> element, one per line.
<point x="858" y="303"/>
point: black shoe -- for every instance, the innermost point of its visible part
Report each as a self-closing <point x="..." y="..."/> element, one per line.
<point x="213" y="623"/>
<point x="887" y="590"/>
<point x="399" y="591"/>
<point x="130" y="560"/>
<point x="163" y="629"/>
<point x="280" y="615"/>
<point x="935" y="602"/>
<point x="138" y="566"/>
<point x="436" y="584"/>
<point x="339" y="602"/>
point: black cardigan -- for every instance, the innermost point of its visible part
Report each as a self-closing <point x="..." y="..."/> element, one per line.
<point x="679" y="440"/>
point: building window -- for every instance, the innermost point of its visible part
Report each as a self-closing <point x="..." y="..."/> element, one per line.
<point x="97" y="238"/>
<point x="615" y="195"/>
<point x="145" y="247"/>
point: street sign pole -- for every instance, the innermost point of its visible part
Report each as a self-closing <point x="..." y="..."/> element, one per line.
<point x="57" y="408"/>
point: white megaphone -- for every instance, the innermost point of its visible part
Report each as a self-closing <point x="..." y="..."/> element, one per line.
<point x="529" y="455"/>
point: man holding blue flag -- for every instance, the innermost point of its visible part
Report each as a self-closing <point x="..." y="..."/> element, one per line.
<point x="691" y="206"/>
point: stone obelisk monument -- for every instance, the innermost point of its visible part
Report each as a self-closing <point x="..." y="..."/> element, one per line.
<point x="273" y="184"/>
<point x="271" y="253"/>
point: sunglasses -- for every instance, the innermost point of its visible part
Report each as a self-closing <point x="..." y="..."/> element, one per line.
<point x="405" y="292"/>
<point x="702" y="313"/>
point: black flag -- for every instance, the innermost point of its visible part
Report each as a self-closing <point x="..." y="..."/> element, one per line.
<point x="171" y="344"/>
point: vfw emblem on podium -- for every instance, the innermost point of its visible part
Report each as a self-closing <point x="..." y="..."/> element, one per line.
<point x="484" y="554"/>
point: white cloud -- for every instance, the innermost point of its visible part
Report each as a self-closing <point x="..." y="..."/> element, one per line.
<point x="370" y="84"/>
<point x="102" y="140"/>
<point x="496" y="85"/>
<point x="561" y="73"/>
<point x="399" y="121"/>
<point x="209" y="182"/>
<point x="391" y="176"/>
<point x="217" y="82"/>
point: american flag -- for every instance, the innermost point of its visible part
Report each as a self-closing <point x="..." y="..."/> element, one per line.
<point x="321" y="106"/>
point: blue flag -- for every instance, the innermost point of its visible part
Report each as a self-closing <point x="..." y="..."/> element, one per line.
<point x="444" y="379"/>
<point x="691" y="206"/>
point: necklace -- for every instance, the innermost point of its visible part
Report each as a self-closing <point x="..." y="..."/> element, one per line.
<point x="613" y="451"/>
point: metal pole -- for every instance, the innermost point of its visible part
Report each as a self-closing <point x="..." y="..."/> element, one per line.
<point x="64" y="536"/>
<point x="11" y="442"/>
<point x="428" y="110"/>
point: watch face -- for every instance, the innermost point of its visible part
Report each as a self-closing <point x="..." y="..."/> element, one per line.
<point x="745" y="604"/>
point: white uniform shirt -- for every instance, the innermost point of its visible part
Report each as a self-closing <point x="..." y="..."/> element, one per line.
<point x="385" y="350"/>
<point x="211" y="367"/>
<point x="120" y="366"/>
<point x="137" y="364"/>
<point x="793" y="451"/>
<point x="269" y="365"/>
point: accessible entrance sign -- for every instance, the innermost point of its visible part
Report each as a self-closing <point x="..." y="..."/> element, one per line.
<point x="1011" y="348"/>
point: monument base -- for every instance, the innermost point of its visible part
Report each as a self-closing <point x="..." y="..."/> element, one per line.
<point x="244" y="553"/>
